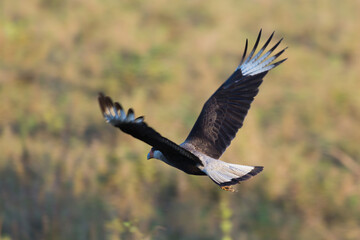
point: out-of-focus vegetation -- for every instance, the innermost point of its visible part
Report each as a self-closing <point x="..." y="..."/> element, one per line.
<point x="66" y="174"/>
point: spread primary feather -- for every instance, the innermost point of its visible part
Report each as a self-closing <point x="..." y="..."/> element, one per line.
<point x="222" y="116"/>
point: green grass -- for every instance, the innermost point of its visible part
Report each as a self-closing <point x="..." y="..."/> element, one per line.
<point x="66" y="174"/>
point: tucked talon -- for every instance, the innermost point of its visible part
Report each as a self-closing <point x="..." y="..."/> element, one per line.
<point x="222" y="116"/>
<point x="228" y="188"/>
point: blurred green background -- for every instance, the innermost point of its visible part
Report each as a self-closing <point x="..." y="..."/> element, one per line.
<point x="66" y="174"/>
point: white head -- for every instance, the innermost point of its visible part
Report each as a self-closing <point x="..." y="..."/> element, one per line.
<point x="156" y="154"/>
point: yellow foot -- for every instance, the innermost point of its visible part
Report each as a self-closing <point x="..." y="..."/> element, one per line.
<point x="228" y="188"/>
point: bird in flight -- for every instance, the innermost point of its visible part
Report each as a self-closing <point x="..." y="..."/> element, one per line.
<point x="222" y="116"/>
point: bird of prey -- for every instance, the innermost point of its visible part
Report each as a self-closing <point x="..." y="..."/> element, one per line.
<point x="221" y="117"/>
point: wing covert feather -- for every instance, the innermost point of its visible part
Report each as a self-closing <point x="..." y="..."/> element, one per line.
<point x="136" y="127"/>
<point x="224" y="112"/>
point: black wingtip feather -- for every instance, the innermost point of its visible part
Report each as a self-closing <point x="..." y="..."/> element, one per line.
<point x="275" y="46"/>
<point x="279" y="53"/>
<point x="101" y="100"/>
<point x="245" y="50"/>
<point x="255" y="46"/>
<point x="118" y="106"/>
<point x="130" y="111"/>
<point x="140" y="118"/>
<point x="108" y="102"/>
<point x="140" y="130"/>
<point x="268" y="41"/>
<point x="279" y="62"/>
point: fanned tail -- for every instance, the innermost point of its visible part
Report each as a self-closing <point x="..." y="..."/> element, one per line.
<point x="228" y="174"/>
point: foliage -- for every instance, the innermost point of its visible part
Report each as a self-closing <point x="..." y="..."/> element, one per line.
<point x="65" y="174"/>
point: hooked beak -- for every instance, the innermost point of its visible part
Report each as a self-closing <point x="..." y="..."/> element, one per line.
<point x="150" y="154"/>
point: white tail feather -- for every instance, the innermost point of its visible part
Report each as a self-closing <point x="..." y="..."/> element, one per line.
<point x="226" y="174"/>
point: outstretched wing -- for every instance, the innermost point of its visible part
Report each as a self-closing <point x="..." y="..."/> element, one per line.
<point x="224" y="112"/>
<point x="136" y="127"/>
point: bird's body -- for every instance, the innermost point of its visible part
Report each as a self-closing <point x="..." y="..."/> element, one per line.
<point x="181" y="162"/>
<point x="221" y="117"/>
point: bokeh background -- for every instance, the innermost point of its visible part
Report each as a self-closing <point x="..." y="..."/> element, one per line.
<point x="66" y="174"/>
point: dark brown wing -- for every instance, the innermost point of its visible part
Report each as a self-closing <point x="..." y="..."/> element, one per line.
<point x="136" y="127"/>
<point x="224" y="112"/>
